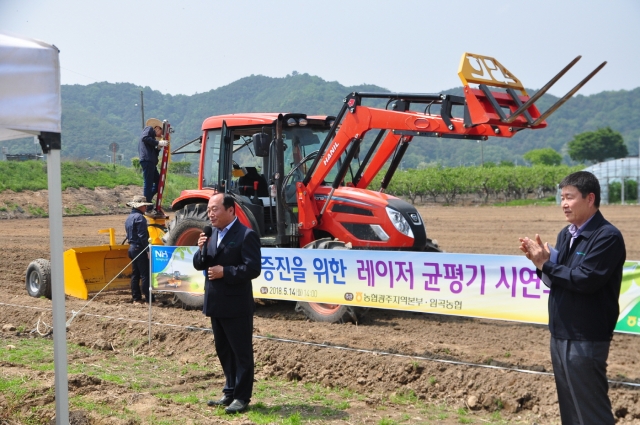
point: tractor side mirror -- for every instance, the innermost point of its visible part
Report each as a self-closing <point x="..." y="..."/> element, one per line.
<point x="261" y="142"/>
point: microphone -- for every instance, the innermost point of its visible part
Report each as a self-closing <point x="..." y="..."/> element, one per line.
<point x="208" y="231"/>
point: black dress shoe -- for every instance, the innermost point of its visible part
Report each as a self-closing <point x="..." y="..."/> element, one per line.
<point x="237" y="406"/>
<point x="226" y="400"/>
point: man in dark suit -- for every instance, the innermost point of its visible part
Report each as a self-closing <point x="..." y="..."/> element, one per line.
<point x="231" y="258"/>
<point x="584" y="272"/>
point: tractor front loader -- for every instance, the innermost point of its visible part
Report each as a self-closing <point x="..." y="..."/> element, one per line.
<point x="305" y="181"/>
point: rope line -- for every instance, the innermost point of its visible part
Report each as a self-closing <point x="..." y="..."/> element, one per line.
<point x="335" y="347"/>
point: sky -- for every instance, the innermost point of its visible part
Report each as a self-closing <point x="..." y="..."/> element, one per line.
<point x="193" y="46"/>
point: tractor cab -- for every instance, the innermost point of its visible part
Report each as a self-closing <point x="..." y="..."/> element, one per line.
<point x="259" y="159"/>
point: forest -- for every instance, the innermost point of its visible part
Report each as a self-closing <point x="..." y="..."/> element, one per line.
<point x="97" y="115"/>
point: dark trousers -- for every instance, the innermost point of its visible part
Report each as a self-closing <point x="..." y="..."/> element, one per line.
<point x="140" y="268"/>
<point x="580" y="371"/>
<point x="233" y="338"/>
<point x="151" y="177"/>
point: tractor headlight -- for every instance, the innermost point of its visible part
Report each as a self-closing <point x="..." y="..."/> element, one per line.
<point x="399" y="222"/>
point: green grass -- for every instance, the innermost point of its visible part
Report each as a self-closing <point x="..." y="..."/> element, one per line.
<point x="77" y="209"/>
<point x="404" y="397"/>
<point x="32" y="352"/>
<point x="275" y="400"/>
<point x="15" y="387"/>
<point x="179" y="398"/>
<point x="550" y="200"/>
<point x="462" y="416"/>
<point x="79" y="402"/>
<point x="175" y="184"/>
<point x="36" y="211"/>
<point x="32" y="175"/>
<point x="435" y="411"/>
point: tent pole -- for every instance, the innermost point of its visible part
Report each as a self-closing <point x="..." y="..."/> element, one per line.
<point x="57" y="286"/>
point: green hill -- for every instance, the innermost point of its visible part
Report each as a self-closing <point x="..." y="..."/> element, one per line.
<point x="96" y="115"/>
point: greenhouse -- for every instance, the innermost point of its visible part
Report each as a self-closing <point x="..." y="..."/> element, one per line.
<point x="612" y="173"/>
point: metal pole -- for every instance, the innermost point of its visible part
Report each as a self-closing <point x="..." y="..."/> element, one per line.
<point x="622" y="182"/>
<point x="142" y="108"/>
<point x="57" y="288"/>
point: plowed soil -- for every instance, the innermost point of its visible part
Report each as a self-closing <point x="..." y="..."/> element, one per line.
<point x="481" y="365"/>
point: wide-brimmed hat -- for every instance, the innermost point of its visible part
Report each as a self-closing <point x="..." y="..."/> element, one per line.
<point x="138" y="201"/>
<point x="154" y="122"/>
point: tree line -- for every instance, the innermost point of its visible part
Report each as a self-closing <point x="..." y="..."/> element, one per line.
<point x="448" y="184"/>
<point x="96" y="115"/>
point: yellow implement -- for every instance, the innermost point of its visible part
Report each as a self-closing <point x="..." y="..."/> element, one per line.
<point x="157" y="227"/>
<point x="88" y="269"/>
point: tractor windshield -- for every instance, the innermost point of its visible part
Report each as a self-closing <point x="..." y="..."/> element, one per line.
<point x="300" y="146"/>
<point x="211" y="167"/>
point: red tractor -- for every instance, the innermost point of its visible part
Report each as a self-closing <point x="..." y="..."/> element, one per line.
<point x="305" y="181"/>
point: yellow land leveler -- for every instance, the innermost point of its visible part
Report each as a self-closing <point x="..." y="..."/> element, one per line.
<point x="89" y="269"/>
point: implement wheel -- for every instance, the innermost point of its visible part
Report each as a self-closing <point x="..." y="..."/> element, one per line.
<point x="332" y="313"/>
<point x="184" y="230"/>
<point x="38" y="278"/>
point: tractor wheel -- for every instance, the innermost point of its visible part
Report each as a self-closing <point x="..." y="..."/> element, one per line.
<point x="332" y="313"/>
<point x="38" y="278"/>
<point x="184" y="230"/>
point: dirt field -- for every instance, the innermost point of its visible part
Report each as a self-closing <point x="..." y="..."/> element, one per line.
<point x="118" y="331"/>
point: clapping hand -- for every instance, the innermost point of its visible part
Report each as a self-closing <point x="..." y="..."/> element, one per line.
<point x="535" y="250"/>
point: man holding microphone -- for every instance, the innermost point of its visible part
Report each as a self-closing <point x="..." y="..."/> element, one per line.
<point x="231" y="258"/>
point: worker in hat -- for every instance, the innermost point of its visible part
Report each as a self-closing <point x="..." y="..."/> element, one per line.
<point x="148" y="150"/>
<point x="138" y="236"/>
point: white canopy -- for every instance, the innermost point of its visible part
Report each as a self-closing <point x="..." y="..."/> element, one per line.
<point x="29" y="88"/>
<point x="30" y="105"/>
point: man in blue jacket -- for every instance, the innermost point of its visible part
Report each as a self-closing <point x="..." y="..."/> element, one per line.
<point x="138" y="235"/>
<point x="148" y="150"/>
<point x="231" y="258"/>
<point x="584" y="272"/>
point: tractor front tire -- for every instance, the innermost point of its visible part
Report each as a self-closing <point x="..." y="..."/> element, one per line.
<point x="38" y="278"/>
<point x="332" y="313"/>
<point x="184" y="230"/>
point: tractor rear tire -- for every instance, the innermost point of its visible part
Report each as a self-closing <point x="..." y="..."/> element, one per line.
<point x="332" y="313"/>
<point x="184" y="230"/>
<point x="38" y="278"/>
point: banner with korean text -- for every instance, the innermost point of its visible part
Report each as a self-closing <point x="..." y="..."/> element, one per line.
<point x="474" y="285"/>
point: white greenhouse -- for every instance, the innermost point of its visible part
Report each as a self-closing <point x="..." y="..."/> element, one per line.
<point x="616" y="171"/>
